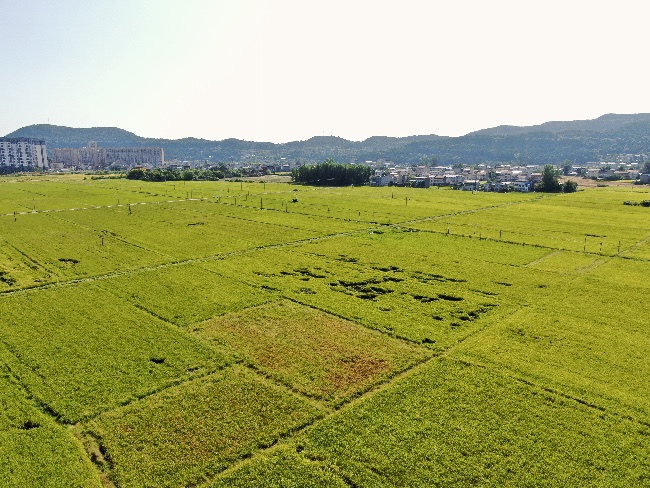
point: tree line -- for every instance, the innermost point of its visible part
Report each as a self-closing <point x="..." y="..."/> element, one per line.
<point x="330" y="173"/>
<point x="6" y="169"/>
<point x="187" y="174"/>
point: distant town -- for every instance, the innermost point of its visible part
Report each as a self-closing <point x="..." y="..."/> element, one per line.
<point x="31" y="155"/>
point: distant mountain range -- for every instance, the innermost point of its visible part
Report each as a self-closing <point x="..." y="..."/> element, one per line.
<point x="579" y="141"/>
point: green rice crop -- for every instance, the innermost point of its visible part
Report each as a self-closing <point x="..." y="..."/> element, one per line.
<point x="185" y="294"/>
<point x="462" y="425"/>
<point x="187" y="433"/>
<point x="235" y="333"/>
<point x="61" y="249"/>
<point x="34" y="450"/>
<point x="177" y="231"/>
<point x="587" y="338"/>
<point x="426" y="308"/>
<point x="285" y="469"/>
<point x="565" y="222"/>
<point x="80" y="350"/>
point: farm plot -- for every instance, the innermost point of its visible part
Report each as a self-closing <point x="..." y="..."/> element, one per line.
<point x="285" y="468"/>
<point x="185" y="294"/>
<point x="455" y="424"/>
<point x="315" y="353"/>
<point x="420" y="307"/>
<point x="420" y="286"/>
<point x="407" y="247"/>
<point x="589" y="338"/>
<point x="34" y="450"/>
<point x="568" y="262"/>
<point x="133" y="191"/>
<point x="553" y="222"/>
<point x="60" y="249"/>
<point x="211" y="189"/>
<point x="62" y="193"/>
<point x="176" y="231"/>
<point x="18" y="270"/>
<point x="286" y="216"/>
<point x="26" y="196"/>
<point x="623" y="272"/>
<point x="80" y="351"/>
<point x="183" y="435"/>
<point x="386" y="205"/>
<point x="143" y="191"/>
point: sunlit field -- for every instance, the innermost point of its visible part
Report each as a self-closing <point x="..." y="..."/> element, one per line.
<point x="267" y="334"/>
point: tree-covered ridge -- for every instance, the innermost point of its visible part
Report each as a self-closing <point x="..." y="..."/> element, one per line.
<point x="603" y="123"/>
<point x="330" y="173"/>
<point x="577" y="141"/>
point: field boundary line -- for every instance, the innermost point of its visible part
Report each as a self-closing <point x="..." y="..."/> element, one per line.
<point x="298" y="242"/>
<point x="545" y="256"/>
<point x="594" y="265"/>
<point x="265" y="452"/>
<point x="513" y="374"/>
<point x="115" y="236"/>
<point x="97" y="207"/>
<point x="241" y="252"/>
<point x="347" y="319"/>
<point x="218" y="256"/>
<point x="634" y="246"/>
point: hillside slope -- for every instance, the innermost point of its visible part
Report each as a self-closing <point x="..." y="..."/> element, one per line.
<point x="578" y="141"/>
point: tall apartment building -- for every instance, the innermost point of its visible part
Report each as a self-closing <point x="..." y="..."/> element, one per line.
<point x="93" y="156"/>
<point x="23" y="153"/>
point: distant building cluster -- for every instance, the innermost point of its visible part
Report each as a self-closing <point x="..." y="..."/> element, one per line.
<point x="95" y="157"/>
<point x="23" y="153"/>
<point x="499" y="178"/>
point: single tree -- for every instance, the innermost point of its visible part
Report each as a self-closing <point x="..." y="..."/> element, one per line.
<point x="550" y="182"/>
<point x="570" y="186"/>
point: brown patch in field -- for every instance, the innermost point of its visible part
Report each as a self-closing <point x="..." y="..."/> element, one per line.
<point x="314" y="352"/>
<point x="589" y="183"/>
<point x="354" y="371"/>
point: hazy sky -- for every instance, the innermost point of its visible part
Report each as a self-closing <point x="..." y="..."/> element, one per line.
<point x="282" y="70"/>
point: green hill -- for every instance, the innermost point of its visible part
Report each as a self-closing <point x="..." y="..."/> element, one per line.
<point x="579" y="141"/>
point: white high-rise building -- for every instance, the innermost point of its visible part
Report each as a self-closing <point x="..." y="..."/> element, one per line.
<point x="23" y="153"/>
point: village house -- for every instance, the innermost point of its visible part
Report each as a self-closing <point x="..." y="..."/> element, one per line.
<point x="380" y="179"/>
<point x="471" y="185"/>
<point x="522" y="185"/>
<point x="438" y="180"/>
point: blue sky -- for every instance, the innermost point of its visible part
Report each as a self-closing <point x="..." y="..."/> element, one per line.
<point x="283" y="70"/>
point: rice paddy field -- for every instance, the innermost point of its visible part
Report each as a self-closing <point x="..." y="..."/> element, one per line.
<point x="215" y="334"/>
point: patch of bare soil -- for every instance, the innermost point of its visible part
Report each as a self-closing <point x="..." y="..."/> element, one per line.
<point x="589" y="183"/>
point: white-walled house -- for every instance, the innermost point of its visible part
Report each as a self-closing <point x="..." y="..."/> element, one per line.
<point x="522" y="186"/>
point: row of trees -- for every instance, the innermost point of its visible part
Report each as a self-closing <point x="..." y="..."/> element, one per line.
<point x="330" y="173"/>
<point x="6" y="169"/>
<point x="169" y="174"/>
